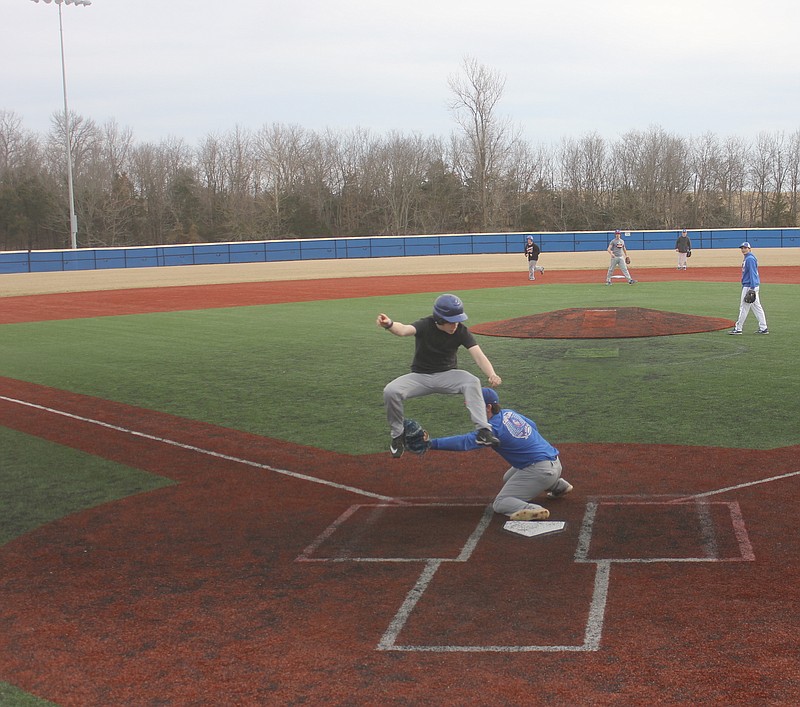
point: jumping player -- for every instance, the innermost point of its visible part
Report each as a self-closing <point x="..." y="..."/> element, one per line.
<point x="434" y="368"/>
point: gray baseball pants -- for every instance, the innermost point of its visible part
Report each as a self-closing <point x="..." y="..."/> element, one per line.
<point x="415" y="385"/>
<point x="617" y="263"/>
<point x="523" y="485"/>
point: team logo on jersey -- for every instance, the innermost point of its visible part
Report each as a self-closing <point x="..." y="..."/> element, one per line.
<point x="516" y="425"/>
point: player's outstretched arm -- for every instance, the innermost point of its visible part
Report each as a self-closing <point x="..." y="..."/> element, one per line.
<point x="396" y="328"/>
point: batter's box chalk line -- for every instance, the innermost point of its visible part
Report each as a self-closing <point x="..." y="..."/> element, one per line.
<point x="664" y="511"/>
<point x="389" y="640"/>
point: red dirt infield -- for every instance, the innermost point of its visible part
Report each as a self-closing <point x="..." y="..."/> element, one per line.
<point x="271" y="573"/>
<point x="601" y="323"/>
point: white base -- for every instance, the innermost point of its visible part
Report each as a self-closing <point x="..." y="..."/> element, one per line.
<point x="530" y="528"/>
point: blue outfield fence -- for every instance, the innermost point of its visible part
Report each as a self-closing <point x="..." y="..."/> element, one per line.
<point x="377" y="247"/>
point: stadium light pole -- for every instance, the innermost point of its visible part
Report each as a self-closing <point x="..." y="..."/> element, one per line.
<point x="73" y="219"/>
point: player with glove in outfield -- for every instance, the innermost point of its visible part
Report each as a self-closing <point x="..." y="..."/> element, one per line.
<point x="434" y="368"/>
<point x="535" y="466"/>
<point x="750" y="297"/>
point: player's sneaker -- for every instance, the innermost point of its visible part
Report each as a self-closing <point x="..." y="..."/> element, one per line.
<point x="733" y="332"/>
<point x="608" y="282"/>
<point x="631" y="282"/>
<point x="530" y="514"/>
<point x="398" y="446"/>
<point x="763" y="331"/>
<point x="562" y="492"/>
<point x="486" y="438"/>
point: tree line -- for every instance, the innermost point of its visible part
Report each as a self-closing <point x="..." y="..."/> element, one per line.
<point x="284" y="181"/>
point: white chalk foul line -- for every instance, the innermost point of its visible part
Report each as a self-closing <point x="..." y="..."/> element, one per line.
<point x="745" y="485"/>
<point x="200" y="450"/>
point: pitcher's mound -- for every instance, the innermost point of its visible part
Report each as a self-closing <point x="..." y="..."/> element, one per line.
<point x="601" y="323"/>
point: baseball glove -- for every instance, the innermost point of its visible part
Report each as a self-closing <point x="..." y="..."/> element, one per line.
<point x="627" y="260"/>
<point x="750" y="297"/>
<point x="417" y="439"/>
<point x="688" y="254"/>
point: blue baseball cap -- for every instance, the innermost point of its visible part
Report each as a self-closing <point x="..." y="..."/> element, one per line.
<point x="490" y="397"/>
<point x="745" y="245"/>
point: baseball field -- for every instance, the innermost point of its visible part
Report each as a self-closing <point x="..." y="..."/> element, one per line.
<point x="199" y="507"/>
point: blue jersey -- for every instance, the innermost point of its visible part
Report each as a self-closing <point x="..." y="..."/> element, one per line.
<point x="750" y="271"/>
<point x="520" y="442"/>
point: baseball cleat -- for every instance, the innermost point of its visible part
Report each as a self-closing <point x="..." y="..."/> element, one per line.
<point x="559" y="494"/>
<point x="530" y="514"/>
<point x="486" y="438"/>
<point x="631" y="282"/>
<point x="734" y="331"/>
<point x="763" y="331"/>
<point x="398" y="446"/>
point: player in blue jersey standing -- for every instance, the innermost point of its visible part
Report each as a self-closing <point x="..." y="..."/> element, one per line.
<point x="535" y="465"/>
<point x="750" y="298"/>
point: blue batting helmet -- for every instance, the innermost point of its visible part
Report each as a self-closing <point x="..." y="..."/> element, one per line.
<point x="449" y="308"/>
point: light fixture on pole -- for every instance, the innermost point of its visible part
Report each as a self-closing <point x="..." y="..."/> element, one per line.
<point x="73" y="219"/>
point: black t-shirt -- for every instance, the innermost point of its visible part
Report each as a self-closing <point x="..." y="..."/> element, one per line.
<point x="435" y="349"/>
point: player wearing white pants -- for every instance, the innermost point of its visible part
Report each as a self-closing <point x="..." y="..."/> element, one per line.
<point x="750" y="282"/>
<point x="746" y="307"/>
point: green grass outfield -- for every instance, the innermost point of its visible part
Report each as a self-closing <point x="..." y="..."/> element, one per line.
<point x="313" y="373"/>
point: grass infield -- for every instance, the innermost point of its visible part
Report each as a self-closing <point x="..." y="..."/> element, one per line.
<point x="313" y="372"/>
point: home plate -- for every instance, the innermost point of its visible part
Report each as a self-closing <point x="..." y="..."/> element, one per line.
<point x="530" y="528"/>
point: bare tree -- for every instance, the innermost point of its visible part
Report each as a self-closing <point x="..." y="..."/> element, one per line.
<point x="107" y="197"/>
<point x="238" y="164"/>
<point x="402" y="165"/>
<point x="793" y="176"/>
<point x="282" y="153"/>
<point x="586" y="181"/>
<point x="476" y="94"/>
<point x="19" y="149"/>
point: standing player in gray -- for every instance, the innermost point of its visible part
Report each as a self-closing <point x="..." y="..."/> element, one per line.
<point x="619" y="258"/>
<point x="434" y="368"/>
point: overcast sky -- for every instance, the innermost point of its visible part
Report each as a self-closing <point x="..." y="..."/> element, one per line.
<point x="187" y="69"/>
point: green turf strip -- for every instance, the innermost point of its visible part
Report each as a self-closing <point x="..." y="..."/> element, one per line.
<point x="42" y="482"/>
<point x="10" y="696"/>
